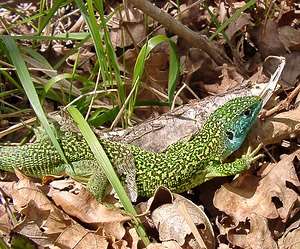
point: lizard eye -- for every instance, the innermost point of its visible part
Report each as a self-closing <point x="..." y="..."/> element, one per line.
<point x="229" y="134"/>
<point x="247" y="112"/>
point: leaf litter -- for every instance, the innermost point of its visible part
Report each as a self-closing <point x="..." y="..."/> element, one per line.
<point x="266" y="200"/>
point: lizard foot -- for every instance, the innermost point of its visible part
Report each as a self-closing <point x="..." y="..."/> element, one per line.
<point x="251" y="156"/>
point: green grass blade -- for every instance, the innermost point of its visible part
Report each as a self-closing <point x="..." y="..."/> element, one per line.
<point x="56" y="5"/>
<point x="140" y="64"/>
<point x="2" y="244"/>
<point x="60" y="77"/>
<point x="37" y="56"/>
<point x="12" y="80"/>
<point x="95" y="34"/>
<point x="23" y="74"/>
<point x="215" y="20"/>
<point x="106" y="165"/>
<point x="111" y="52"/>
<point x="31" y="19"/>
<point x="232" y="18"/>
<point x="98" y="118"/>
<point x="63" y="37"/>
<point x="105" y="52"/>
<point x="174" y="70"/>
<point x="8" y="93"/>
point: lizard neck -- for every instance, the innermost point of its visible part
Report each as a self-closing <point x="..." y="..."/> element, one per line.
<point x="206" y="145"/>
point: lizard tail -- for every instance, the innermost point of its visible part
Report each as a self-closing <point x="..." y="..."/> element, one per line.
<point x="36" y="160"/>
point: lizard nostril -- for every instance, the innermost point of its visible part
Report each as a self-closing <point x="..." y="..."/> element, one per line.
<point x="229" y="134"/>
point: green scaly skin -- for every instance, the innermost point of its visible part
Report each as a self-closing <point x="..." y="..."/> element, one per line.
<point x="182" y="167"/>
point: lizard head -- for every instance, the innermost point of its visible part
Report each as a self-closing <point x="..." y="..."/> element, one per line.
<point x="233" y="121"/>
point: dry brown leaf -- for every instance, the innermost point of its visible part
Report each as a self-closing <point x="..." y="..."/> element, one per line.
<point x="25" y="190"/>
<point x="192" y="15"/>
<point x="200" y="66"/>
<point x="240" y="45"/>
<point x="164" y="245"/>
<point x="42" y="221"/>
<point x="127" y="61"/>
<point x="169" y="218"/>
<point x="36" y="221"/>
<point x="47" y="225"/>
<point x="267" y="39"/>
<point x="290" y="38"/>
<point x="127" y="27"/>
<point x="155" y="78"/>
<point x="200" y="71"/>
<point x="6" y="187"/>
<point x="269" y="195"/>
<point x="275" y="129"/>
<point x="77" y="237"/>
<point x="291" y="71"/>
<point x="85" y="208"/>
<point x="285" y="41"/>
<point x="157" y="71"/>
<point x="132" y="237"/>
<point x="291" y="236"/>
<point x="63" y="184"/>
<point x="5" y="223"/>
<point x="230" y="79"/>
<point x="223" y="15"/>
<point x="238" y="24"/>
<point x="239" y="4"/>
<point x="83" y="61"/>
<point x="120" y="244"/>
<point x="254" y="233"/>
<point x="291" y="240"/>
<point x="258" y="236"/>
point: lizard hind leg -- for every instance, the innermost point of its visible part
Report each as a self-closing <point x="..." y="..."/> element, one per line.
<point x="89" y="172"/>
<point x="97" y="183"/>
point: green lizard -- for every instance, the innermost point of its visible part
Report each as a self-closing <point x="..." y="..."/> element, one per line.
<point x="181" y="167"/>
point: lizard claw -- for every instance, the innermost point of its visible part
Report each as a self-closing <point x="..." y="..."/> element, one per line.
<point x="251" y="156"/>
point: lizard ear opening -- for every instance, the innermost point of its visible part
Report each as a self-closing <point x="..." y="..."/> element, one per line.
<point x="230" y="134"/>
